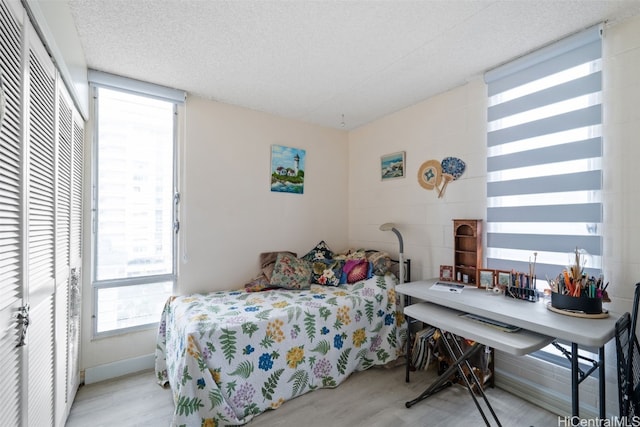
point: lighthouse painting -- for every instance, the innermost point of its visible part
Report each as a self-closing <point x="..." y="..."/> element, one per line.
<point x="287" y="169"/>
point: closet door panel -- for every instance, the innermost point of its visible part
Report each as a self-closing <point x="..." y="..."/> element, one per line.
<point x="75" y="287"/>
<point x="11" y="239"/>
<point x="40" y="231"/>
<point x="41" y="168"/>
<point x="64" y="150"/>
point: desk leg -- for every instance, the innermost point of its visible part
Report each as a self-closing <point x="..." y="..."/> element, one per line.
<point x="575" y="402"/>
<point x="408" y="356"/>
<point x="601" y="384"/>
<point x="443" y="380"/>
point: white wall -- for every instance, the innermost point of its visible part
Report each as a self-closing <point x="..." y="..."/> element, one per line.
<point x="228" y="213"/>
<point x="621" y="159"/>
<point x="450" y="124"/>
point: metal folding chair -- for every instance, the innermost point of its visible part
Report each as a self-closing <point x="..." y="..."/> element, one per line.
<point x="628" y="366"/>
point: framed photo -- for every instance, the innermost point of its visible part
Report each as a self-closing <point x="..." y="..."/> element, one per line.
<point x="486" y="278"/>
<point x="503" y="279"/>
<point x="287" y="169"/>
<point x="392" y="166"/>
<point x="446" y="273"/>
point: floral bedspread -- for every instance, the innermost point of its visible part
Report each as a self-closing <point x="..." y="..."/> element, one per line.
<point x="230" y="356"/>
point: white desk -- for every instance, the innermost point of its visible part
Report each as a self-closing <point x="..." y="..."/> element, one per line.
<point x="517" y="343"/>
<point x="533" y="317"/>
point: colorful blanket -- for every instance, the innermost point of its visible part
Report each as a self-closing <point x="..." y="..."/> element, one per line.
<point x="230" y="356"/>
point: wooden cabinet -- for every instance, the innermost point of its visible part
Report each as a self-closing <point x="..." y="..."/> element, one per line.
<point x="467" y="249"/>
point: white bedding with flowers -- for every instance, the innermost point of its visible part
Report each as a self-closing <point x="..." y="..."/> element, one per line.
<point x="229" y="356"/>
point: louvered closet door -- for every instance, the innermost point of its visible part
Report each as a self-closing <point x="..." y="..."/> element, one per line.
<point x="40" y="231"/>
<point x="10" y="207"/>
<point x="64" y="150"/>
<point x="75" y="286"/>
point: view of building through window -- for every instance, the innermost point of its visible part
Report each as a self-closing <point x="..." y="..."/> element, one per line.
<point x="134" y="236"/>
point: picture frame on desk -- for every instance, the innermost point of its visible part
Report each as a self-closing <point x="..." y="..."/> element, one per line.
<point x="503" y="279"/>
<point x="486" y="279"/>
<point x="446" y="273"/>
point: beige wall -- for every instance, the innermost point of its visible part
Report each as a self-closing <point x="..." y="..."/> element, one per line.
<point x="450" y="124"/>
<point x="229" y="214"/>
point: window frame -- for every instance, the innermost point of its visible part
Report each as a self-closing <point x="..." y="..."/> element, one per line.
<point x="97" y="81"/>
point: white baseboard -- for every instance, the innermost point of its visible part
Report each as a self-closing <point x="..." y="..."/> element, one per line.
<point x="118" y="369"/>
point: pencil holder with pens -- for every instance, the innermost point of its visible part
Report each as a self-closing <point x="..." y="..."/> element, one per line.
<point x="522" y="286"/>
<point x="572" y="290"/>
<point x="583" y="303"/>
<point x="526" y="294"/>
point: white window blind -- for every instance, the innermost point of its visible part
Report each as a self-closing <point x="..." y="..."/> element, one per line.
<point x="544" y="168"/>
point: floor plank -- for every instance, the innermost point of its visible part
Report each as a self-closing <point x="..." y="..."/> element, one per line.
<point x="374" y="398"/>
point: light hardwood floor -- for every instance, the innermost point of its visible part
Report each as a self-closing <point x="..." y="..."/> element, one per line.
<point x="374" y="398"/>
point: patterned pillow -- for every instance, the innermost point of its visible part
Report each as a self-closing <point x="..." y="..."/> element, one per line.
<point x="260" y="283"/>
<point x="380" y="261"/>
<point x="320" y="251"/>
<point x="356" y="270"/>
<point x="290" y="272"/>
<point x="326" y="272"/>
<point x="268" y="260"/>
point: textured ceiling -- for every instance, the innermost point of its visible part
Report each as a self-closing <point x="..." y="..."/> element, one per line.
<point x="317" y="60"/>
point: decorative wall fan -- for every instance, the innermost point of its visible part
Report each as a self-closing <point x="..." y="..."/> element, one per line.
<point x="452" y="169"/>
<point x="432" y="173"/>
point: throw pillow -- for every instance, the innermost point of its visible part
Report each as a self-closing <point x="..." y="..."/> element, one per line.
<point x="268" y="260"/>
<point x="380" y="261"/>
<point x="320" y="251"/>
<point x="260" y="283"/>
<point x="290" y="272"/>
<point x="356" y="270"/>
<point x="326" y="272"/>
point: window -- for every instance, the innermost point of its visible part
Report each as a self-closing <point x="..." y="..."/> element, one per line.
<point x="544" y="169"/>
<point x="135" y="197"/>
<point x="544" y="176"/>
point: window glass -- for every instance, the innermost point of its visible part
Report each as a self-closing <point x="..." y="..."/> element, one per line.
<point x="134" y="208"/>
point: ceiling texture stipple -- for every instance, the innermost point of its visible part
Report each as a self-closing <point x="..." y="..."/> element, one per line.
<point x="317" y="60"/>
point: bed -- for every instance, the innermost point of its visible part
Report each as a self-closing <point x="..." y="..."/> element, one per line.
<point x="231" y="355"/>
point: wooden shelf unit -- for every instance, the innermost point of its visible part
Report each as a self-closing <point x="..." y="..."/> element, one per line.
<point x="467" y="249"/>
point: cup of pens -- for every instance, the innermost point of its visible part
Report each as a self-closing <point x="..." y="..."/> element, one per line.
<point x="572" y="290"/>
<point x="584" y="304"/>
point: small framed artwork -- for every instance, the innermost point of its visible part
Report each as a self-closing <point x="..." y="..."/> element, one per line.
<point x="287" y="169"/>
<point x="503" y="279"/>
<point x="446" y="273"/>
<point x="486" y="279"/>
<point x="392" y="166"/>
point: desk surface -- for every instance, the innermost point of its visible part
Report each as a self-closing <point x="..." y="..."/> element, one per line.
<point x="533" y="317"/>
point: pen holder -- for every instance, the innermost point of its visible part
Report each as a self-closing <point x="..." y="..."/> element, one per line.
<point x="566" y="302"/>
<point x="526" y="294"/>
